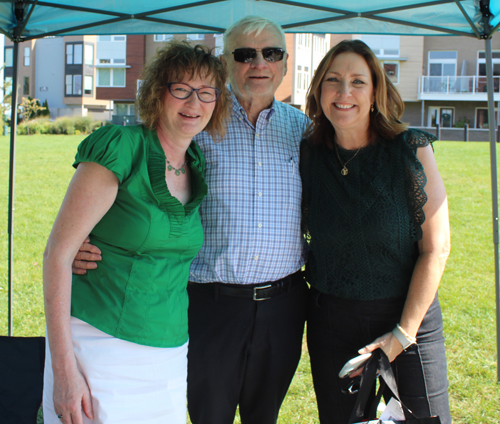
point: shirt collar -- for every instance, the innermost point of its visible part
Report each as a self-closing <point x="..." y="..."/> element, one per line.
<point x="239" y="111"/>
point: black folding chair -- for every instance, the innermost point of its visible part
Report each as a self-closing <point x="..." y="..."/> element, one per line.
<point x="21" y="378"/>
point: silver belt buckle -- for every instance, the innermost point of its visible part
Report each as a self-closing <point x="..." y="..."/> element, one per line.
<point x="259" y="288"/>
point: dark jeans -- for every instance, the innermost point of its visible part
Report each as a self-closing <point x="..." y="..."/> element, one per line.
<point x="337" y="328"/>
<point x="242" y="352"/>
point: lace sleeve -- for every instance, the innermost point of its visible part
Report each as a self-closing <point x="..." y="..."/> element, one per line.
<point x="415" y="176"/>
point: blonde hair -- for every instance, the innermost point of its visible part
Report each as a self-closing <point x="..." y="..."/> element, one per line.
<point x="172" y="63"/>
<point x="388" y="107"/>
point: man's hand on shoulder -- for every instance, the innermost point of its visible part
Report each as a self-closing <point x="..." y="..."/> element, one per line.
<point x="86" y="258"/>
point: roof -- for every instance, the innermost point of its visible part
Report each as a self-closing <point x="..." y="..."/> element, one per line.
<point x="28" y="19"/>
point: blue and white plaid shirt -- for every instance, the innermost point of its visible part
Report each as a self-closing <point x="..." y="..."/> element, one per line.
<point x="251" y="215"/>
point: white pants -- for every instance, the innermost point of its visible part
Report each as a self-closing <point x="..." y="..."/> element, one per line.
<point x="129" y="383"/>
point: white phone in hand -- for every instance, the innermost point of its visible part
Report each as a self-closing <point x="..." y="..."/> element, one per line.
<point x="354" y="364"/>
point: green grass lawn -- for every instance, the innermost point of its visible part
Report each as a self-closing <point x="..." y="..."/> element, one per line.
<point x="467" y="293"/>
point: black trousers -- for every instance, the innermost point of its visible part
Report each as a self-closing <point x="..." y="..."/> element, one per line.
<point x="337" y="328"/>
<point x="242" y="352"/>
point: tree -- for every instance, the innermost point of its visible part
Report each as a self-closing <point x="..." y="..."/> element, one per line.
<point x="29" y="108"/>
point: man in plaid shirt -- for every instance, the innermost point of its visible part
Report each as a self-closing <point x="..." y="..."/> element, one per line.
<point x="247" y="296"/>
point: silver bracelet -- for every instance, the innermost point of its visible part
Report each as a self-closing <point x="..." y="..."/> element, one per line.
<point x="403" y="337"/>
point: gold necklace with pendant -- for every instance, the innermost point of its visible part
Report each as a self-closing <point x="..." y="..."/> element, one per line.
<point x="344" y="171"/>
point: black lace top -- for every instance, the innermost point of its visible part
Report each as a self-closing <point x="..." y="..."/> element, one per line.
<point x="363" y="227"/>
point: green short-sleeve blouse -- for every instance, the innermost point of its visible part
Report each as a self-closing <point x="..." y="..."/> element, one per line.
<point x="147" y="238"/>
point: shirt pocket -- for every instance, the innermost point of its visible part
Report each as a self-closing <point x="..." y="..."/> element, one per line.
<point x="289" y="182"/>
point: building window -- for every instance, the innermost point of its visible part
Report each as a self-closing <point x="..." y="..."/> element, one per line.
<point x="124" y="109"/>
<point x="444" y="116"/>
<point x="73" y="85"/>
<point x="303" y="78"/>
<point x="195" y="36"/>
<point x="27" y="51"/>
<point x="112" y="38"/>
<point x="482" y="117"/>
<point x="8" y="86"/>
<point x="320" y="45"/>
<point x="442" y="63"/>
<point x="219" y="44"/>
<point x="88" y="84"/>
<point x="163" y="37"/>
<point x="383" y="45"/>
<point x="26" y="86"/>
<point x="304" y="40"/>
<point x="111" y="77"/>
<point x="74" y="54"/>
<point x="9" y="59"/>
<point x="392" y="71"/>
<point x="89" y="54"/>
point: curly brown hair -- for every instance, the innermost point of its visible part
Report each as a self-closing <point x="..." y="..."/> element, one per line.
<point x="172" y="63"/>
<point x="385" y="120"/>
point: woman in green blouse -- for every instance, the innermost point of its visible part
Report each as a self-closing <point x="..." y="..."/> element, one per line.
<point x="375" y="212"/>
<point x="117" y="336"/>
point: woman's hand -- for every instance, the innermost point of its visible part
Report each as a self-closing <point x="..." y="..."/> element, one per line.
<point x="71" y="396"/>
<point x="86" y="258"/>
<point x="388" y="343"/>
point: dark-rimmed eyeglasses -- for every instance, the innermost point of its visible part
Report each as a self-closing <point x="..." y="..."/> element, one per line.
<point x="182" y="91"/>
<point x="247" y="55"/>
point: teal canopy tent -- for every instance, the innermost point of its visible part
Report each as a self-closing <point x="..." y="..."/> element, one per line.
<point x="28" y="19"/>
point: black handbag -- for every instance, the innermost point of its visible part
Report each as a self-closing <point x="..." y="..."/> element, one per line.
<point x="21" y="378"/>
<point x="379" y="366"/>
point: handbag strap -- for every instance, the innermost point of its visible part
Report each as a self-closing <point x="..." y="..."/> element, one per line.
<point x="377" y="365"/>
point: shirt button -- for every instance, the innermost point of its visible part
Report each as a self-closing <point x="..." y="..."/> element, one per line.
<point x="259" y="194"/>
<point x="257" y="135"/>
<point x="259" y="225"/>
<point x="256" y="257"/>
<point x="259" y="163"/>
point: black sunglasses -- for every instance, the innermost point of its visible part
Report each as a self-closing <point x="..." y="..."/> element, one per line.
<point x="247" y="55"/>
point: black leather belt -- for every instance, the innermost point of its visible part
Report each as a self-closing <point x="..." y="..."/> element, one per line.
<point x="257" y="292"/>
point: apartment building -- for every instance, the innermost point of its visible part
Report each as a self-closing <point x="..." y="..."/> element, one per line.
<point x="452" y="88"/>
<point x="441" y="79"/>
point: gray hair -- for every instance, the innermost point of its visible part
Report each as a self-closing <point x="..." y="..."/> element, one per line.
<point x="250" y="25"/>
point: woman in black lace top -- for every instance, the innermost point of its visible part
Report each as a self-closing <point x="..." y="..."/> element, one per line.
<point x="375" y="213"/>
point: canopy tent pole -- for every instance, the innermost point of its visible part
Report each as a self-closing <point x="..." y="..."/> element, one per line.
<point x="494" y="187"/>
<point x="12" y="169"/>
<point x="485" y="11"/>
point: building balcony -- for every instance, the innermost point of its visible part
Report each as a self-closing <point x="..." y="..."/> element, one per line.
<point x="450" y="88"/>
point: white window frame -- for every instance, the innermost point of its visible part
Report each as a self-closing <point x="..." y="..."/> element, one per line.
<point x="486" y="110"/>
<point x="442" y="61"/>
<point x="380" y="51"/>
<point x="195" y="36"/>
<point x="9" y="57"/>
<point x="128" y="105"/>
<point x="111" y="72"/>
<point x="482" y="61"/>
<point x="160" y="38"/>
<point x="27" y="54"/>
<point x="87" y="78"/>
<point x="89" y="54"/>
<point x="438" y="115"/>
<point x="115" y="38"/>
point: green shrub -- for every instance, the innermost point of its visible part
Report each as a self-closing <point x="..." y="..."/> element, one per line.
<point x="35" y="126"/>
<point x="64" y="125"/>
<point x="460" y="122"/>
<point x="84" y="125"/>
